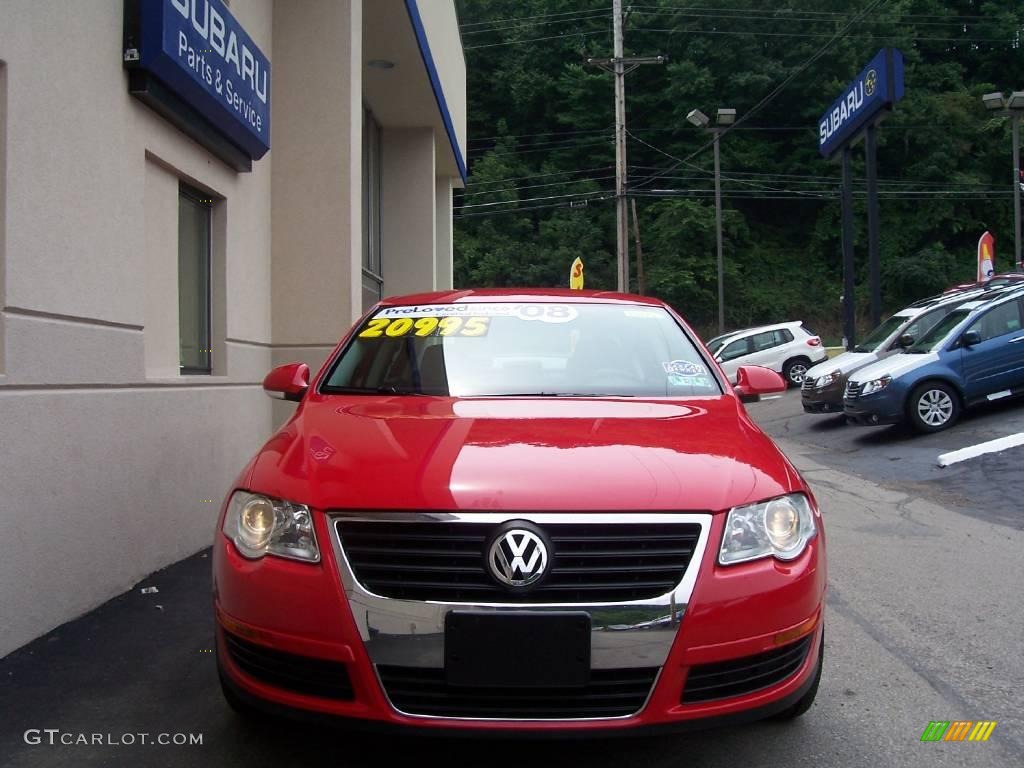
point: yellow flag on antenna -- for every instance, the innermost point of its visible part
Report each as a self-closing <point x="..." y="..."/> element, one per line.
<point x="576" y="275"/>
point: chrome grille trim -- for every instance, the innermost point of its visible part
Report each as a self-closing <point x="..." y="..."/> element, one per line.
<point x="411" y="633"/>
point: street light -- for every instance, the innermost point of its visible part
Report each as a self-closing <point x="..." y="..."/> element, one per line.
<point x="1013" y="107"/>
<point x="723" y="118"/>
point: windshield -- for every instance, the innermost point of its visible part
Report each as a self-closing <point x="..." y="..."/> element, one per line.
<point x="934" y="338"/>
<point x="507" y="349"/>
<point x="875" y="339"/>
<point x="716" y="342"/>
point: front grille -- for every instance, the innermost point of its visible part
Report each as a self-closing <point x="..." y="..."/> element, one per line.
<point x="807" y="384"/>
<point x="300" y="674"/>
<point x="591" y="563"/>
<point x="707" y="682"/>
<point x="852" y="389"/>
<point x="610" y="693"/>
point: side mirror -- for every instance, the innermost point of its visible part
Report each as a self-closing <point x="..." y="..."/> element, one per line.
<point x="287" y="382"/>
<point x="970" y="338"/>
<point x="752" y="381"/>
<point x="906" y="340"/>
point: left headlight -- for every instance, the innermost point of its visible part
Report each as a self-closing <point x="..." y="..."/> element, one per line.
<point x="259" y="525"/>
<point x="779" y="528"/>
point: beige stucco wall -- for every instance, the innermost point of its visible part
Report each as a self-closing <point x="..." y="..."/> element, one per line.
<point x="108" y="457"/>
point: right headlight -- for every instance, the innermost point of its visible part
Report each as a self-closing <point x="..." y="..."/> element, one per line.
<point x="823" y="381"/>
<point x="875" y="385"/>
<point x="779" y="528"/>
<point x="259" y="525"/>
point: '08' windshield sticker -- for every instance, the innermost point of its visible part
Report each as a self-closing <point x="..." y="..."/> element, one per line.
<point x="684" y="368"/>
<point x="546" y="313"/>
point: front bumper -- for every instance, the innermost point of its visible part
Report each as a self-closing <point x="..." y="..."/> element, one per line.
<point x="871" y="414"/>
<point x="828" y="399"/>
<point x="319" y="613"/>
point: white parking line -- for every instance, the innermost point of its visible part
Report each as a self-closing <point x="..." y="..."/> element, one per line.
<point x="992" y="446"/>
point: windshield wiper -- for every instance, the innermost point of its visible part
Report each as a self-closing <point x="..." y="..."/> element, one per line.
<point x="553" y="394"/>
<point x="388" y="389"/>
<point x="859" y="348"/>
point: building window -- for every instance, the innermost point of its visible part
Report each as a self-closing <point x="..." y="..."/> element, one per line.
<point x="195" y="216"/>
<point x="373" y="279"/>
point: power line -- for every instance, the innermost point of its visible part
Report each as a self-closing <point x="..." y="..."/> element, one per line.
<point x="753" y="15"/>
<point x="536" y="186"/>
<point x="552" y="146"/>
<point x="702" y="170"/>
<point x="831" y="14"/>
<point x="472" y="184"/>
<point x="778" y="89"/>
<point x="549" y="133"/>
<point x="565" y="196"/>
<point x="517" y="24"/>
<point x="762" y="33"/>
<point x="527" y="18"/>
<point x="566" y="36"/>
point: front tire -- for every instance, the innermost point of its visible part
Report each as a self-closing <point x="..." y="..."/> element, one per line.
<point x="933" y="407"/>
<point x="794" y="370"/>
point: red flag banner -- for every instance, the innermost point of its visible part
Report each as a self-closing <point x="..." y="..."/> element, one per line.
<point x="986" y="257"/>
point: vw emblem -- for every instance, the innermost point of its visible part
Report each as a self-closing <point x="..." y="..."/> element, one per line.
<point x="518" y="557"/>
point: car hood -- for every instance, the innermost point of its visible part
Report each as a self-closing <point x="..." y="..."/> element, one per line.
<point x="345" y="452"/>
<point x="844" y="363"/>
<point x="894" y="366"/>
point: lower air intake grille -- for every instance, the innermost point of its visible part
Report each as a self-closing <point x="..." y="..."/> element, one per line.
<point x="300" y="674"/>
<point x="707" y="682"/>
<point x="610" y="693"/>
<point x="592" y="563"/>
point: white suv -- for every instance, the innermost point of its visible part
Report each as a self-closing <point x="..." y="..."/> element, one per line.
<point x="786" y="348"/>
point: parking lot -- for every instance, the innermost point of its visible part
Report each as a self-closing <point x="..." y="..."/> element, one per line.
<point x="989" y="487"/>
<point x="924" y="623"/>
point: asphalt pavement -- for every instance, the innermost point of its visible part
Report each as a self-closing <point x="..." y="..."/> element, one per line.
<point x="924" y="622"/>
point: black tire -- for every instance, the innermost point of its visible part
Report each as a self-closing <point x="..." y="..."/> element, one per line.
<point x="241" y="707"/>
<point x="793" y="371"/>
<point x="933" y="407"/>
<point x="805" y="702"/>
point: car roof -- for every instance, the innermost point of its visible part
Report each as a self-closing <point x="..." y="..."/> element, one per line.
<point x="478" y="295"/>
<point x="760" y="328"/>
<point x="996" y="296"/>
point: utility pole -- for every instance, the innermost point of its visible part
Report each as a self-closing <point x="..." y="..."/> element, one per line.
<point x="639" y="251"/>
<point x="1016" y="192"/>
<point x="620" y="66"/>
<point x="718" y="234"/>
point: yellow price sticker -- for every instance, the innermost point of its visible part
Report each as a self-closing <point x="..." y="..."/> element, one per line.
<point x="394" y="328"/>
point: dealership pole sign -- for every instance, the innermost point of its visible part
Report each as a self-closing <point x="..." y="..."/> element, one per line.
<point x="872" y="93"/>
<point x="209" y="72"/>
<point x="856" y="112"/>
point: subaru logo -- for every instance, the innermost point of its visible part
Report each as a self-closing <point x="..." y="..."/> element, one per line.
<point x="518" y="557"/>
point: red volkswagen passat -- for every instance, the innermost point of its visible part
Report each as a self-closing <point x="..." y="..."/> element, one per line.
<point x="513" y="510"/>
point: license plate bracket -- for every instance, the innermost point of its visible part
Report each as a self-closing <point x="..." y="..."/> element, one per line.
<point x="517" y="649"/>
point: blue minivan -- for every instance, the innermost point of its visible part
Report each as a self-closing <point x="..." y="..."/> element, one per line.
<point x="973" y="355"/>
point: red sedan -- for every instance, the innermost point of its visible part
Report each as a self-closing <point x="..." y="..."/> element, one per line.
<point x="510" y="510"/>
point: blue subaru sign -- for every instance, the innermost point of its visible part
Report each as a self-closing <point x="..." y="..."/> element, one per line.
<point x="876" y="88"/>
<point x="198" y="49"/>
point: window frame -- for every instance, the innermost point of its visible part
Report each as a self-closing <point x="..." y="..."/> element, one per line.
<point x="204" y="201"/>
<point x="985" y="315"/>
<point x="371" y="166"/>
<point x="746" y="340"/>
